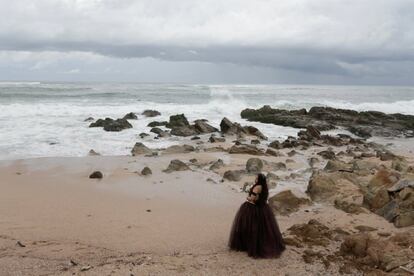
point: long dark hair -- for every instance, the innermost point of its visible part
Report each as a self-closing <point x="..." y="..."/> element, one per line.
<point x="261" y="180"/>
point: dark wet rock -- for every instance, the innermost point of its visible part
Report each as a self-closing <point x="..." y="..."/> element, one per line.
<point x="89" y="119"/>
<point x="140" y="149"/>
<point x="150" y="113"/>
<point x="276" y="145"/>
<point x="96" y="175"/>
<point x="156" y="124"/>
<point x="255" y="142"/>
<point x="365" y="228"/>
<point x="292" y="153"/>
<point x="246" y="149"/>
<point x="146" y="171"/>
<point x="130" y="116"/>
<point x="195" y="138"/>
<point x="184" y="131"/>
<point x="254" y="165"/>
<point x="364" y="124"/>
<point x="93" y="153"/>
<point x="176" y="165"/>
<point x="193" y="161"/>
<point x="112" y="125"/>
<point x="327" y="154"/>
<point x="287" y="202"/>
<point x="143" y="135"/>
<point x="179" y="149"/>
<point x="228" y="127"/>
<point x="202" y="127"/>
<point x="156" y="130"/>
<point x="163" y="134"/>
<point x="217" y="165"/>
<point x="178" y="120"/>
<point x="313" y="161"/>
<point x="215" y="139"/>
<point x="233" y="175"/>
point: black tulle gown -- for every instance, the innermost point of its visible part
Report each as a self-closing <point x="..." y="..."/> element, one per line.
<point x="256" y="231"/>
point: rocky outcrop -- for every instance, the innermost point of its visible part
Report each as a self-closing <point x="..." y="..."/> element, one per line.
<point x="287" y="202"/>
<point x="109" y="124"/>
<point x="364" y="124"/>
<point x="228" y="127"/>
<point x="156" y="124"/>
<point x="321" y="186"/>
<point x="181" y="127"/>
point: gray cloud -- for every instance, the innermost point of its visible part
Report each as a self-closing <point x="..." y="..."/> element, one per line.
<point x="327" y="40"/>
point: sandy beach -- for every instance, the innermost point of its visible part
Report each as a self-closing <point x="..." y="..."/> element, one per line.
<point x="57" y="221"/>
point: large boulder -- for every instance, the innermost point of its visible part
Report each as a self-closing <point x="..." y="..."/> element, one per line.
<point x="334" y="166"/>
<point x="178" y="120"/>
<point x="254" y="165"/>
<point x="287" y="202"/>
<point x="130" y="116"/>
<point x="227" y="127"/>
<point x="140" y="149"/>
<point x="156" y="124"/>
<point x="376" y="193"/>
<point x="321" y="186"/>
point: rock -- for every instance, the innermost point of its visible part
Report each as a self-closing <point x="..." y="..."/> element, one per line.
<point x="202" y="127"/>
<point x="254" y="165"/>
<point x="251" y="130"/>
<point x="93" y="153"/>
<point x="365" y="228"/>
<point x="85" y="268"/>
<point x="146" y="171"/>
<point x="400" y="185"/>
<point x="313" y="132"/>
<point x="217" y="165"/>
<point x="404" y="219"/>
<point x="348" y="207"/>
<point x="312" y="161"/>
<point x="359" y="165"/>
<point x="227" y="127"/>
<point x="150" y="113"/>
<point x="246" y="149"/>
<point x="163" y="134"/>
<point x="292" y="153"/>
<point x="233" y="175"/>
<point x="273" y="152"/>
<point x="89" y="119"/>
<point x="255" y="142"/>
<point x="275" y="166"/>
<point x="178" y="120"/>
<point x="356" y="245"/>
<point x="184" y="131"/>
<point x="399" y="165"/>
<point x="96" y="175"/>
<point x="321" y="186"/>
<point x="286" y="202"/>
<point x="364" y="124"/>
<point x="157" y="124"/>
<point x="179" y="149"/>
<point x="377" y="199"/>
<point x="143" y="135"/>
<point x="389" y="211"/>
<point x="156" y="130"/>
<point x="312" y="233"/>
<point x="130" y="116"/>
<point x="334" y="166"/>
<point x="195" y="138"/>
<point x="140" y="149"/>
<point x="275" y="144"/>
<point x="176" y="165"/>
<point x="193" y="160"/>
<point x="327" y="154"/>
<point x="214" y="139"/>
<point x="112" y="125"/>
<point x="386" y="155"/>
<point x="20" y="244"/>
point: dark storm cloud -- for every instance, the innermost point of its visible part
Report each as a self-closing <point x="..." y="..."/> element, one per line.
<point x="356" y="39"/>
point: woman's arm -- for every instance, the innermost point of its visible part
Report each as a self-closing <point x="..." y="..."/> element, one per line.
<point x="255" y="194"/>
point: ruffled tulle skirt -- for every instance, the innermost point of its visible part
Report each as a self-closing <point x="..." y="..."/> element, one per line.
<point x="256" y="231"/>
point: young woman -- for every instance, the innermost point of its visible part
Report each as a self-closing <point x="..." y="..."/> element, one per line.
<point x="255" y="229"/>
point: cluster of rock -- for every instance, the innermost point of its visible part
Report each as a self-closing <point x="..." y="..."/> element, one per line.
<point x="109" y="124"/>
<point x="364" y="124"/>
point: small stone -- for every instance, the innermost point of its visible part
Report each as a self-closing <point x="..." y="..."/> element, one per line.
<point x="85" y="268"/>
<point x="19" y="243"/>
<point x="96" y="175"/>
<point x="146" y="171"/>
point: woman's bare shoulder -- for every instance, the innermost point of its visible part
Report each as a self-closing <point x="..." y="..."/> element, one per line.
<point x="257" y="188"/>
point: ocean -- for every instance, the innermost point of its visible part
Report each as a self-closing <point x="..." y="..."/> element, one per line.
<point x="39" y="119"/>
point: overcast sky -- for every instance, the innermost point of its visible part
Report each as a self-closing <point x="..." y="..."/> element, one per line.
<point x="209" y="41"/>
